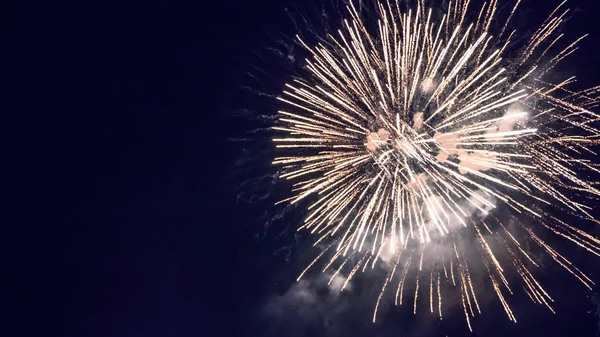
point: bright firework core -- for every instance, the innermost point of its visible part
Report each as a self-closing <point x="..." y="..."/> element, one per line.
<point x="395" y="151"/>
<point x="411" y="129"/>
<point x="404" y="155"/>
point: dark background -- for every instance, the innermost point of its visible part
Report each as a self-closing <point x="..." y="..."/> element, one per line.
<point x="122" y="147"/>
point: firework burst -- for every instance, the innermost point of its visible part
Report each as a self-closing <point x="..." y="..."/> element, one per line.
<point x="411" y="133"/>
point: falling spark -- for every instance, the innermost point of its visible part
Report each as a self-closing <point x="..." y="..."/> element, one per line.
<point x="414" y="132"/>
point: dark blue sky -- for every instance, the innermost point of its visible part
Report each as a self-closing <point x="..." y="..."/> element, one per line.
<point x="123" y="213"/>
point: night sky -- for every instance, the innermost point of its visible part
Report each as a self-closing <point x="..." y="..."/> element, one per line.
<point x="139" y="189"/>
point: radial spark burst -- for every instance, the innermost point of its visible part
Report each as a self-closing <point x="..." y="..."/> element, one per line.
<point x="413" y="134"/>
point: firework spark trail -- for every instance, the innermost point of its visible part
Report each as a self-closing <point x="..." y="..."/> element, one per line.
<point x="408" y="132"/>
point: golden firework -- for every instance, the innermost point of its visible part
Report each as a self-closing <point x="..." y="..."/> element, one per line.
<point x="407" y="132"/>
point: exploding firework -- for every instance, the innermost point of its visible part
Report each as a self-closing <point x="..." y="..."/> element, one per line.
<point x="414" y="135"/>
